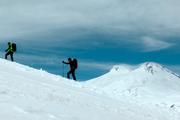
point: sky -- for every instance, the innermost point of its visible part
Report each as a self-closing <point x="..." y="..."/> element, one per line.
<point x="99" y="34"/>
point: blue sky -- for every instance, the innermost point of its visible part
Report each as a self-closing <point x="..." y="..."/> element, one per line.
<point x="99" y="33"/>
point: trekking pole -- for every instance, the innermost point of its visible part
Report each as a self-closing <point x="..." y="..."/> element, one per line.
<point x="63" y="70"/>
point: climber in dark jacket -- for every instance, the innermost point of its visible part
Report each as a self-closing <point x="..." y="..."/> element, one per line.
<point x="72" y="68"/>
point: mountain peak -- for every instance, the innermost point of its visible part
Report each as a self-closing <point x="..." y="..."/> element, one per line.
<point x="123" y="68"/>
<point x="148" y="67"/>
<point x="153" y="64"/>
<point x="152" y="67"/>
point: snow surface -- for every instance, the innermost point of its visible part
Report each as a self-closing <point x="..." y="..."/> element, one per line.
<point x="150" y="92"/>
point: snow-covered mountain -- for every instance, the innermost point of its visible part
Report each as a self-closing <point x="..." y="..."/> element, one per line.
<point x="149" y="82"/>
<point x="30" y="94"/>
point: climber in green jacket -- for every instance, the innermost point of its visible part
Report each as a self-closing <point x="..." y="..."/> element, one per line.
<point x="10" y="50"/>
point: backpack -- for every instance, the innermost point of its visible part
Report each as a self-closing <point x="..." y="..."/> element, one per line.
<point x="75" y="63"/>
<point x="14" y="48"/>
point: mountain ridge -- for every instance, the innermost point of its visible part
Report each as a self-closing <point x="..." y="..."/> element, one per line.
<point x="151" y="67"/>
<point x="146" y="80"/>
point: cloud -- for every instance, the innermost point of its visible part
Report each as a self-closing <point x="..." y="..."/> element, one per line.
<point x="96" y="65"/>
<point x="107" y="66"/>
<point x="22" y="18"/>
<point x="152" y="44"/>
<point x="91" y="23"/>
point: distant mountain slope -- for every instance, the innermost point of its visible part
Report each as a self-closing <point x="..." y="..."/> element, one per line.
<point x="147" y="82"/>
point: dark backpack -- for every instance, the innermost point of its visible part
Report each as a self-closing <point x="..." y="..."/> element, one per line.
<point x="75" y="62"/>
<point x="14" y="48"/>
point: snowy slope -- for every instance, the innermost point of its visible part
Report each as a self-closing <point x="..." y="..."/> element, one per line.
<point x="149" y="82"/>
<point x="30" y="94"/>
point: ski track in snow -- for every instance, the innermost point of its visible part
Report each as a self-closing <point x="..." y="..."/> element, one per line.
<point x="30" y="94"/>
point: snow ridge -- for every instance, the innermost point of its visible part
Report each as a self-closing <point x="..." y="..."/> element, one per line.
<point x="123" y="93"/>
